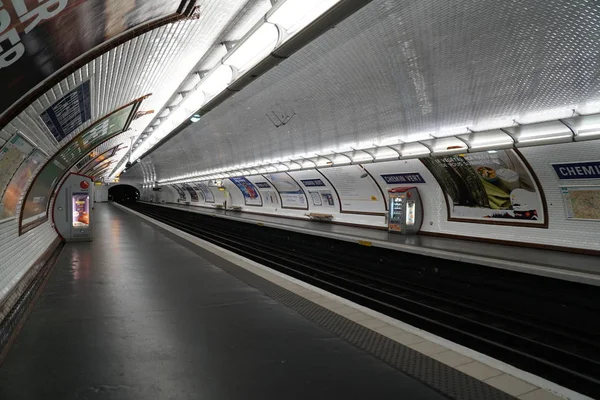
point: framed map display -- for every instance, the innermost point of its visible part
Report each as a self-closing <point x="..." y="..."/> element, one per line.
<point x="582" y="202"/>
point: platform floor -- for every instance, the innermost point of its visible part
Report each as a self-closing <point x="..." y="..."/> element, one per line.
<point x="556" y="264"/>
<point x="137" y="314"/>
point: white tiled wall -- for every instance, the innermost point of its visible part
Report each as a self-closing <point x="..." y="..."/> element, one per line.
<point x="560" y="232"/>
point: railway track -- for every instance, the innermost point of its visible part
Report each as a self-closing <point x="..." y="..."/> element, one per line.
<point x="544" y="326"/>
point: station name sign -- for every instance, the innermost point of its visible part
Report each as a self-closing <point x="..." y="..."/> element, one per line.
<point x="578" y="170"/>
<point x="312" y="182"/>
<point x="394" y="179"/>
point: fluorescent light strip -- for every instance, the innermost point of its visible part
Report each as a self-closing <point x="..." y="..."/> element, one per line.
<point x="283" y="21"/>
<point x="310" y="161"/>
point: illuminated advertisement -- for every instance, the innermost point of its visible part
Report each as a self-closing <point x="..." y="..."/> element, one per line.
<point x="39" y="37"/>
<point x="39" y="194"/>
<point x="249" y="191"/>
<point x="489" y="187"/>
<point x="81" y="209"/>
<point x="292" y="195"/>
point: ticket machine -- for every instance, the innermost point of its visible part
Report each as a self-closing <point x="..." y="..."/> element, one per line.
<point x="72" y="208"/>
<point x="405" y="210"/>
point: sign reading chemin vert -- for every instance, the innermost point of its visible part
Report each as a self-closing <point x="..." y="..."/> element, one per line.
<point x="578" y="170"/>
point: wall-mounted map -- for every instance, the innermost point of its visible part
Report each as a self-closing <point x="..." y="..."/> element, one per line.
<point x="582" y="202"/>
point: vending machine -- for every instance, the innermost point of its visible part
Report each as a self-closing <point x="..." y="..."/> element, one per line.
<point x="405" y="210"/>
<point x="72" y="208"/>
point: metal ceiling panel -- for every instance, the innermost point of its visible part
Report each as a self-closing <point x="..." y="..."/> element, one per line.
<point x="405" y="69"/>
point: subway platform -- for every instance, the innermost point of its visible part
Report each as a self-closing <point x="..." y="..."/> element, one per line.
<point x="140" y="313"/>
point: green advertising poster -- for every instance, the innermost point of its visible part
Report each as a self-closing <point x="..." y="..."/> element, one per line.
<point x="36" y="204"/>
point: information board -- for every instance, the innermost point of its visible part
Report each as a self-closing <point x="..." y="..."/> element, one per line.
<point x="12" y="195"/>
<point x="40" y="192"/>
<point x="357" y="190"/>
<point x="582" y="202"/>
<point x="291" y="194"/>
<point x="69" y="112"/>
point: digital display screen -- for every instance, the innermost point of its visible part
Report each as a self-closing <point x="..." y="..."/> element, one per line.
<point x="81" y="210"/>
<point x="410" y="213"/>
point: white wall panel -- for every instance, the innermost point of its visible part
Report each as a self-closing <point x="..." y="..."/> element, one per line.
<point x="20" y="252"/>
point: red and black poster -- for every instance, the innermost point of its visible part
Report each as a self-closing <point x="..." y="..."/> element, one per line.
<point x="40" y="37"/>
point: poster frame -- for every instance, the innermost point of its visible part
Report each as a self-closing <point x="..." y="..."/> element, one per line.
<point x="281" y="198"/>
<point x="499" y="222"/>
<point x="245" y="198"/>
<point x="342" y="211"/>
<point x="575" y="186"/>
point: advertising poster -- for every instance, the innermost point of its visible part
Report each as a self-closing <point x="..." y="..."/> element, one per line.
<point x="37" y="199"/>
<point x="291" y="194"/>
<point x="249" y="191"/>
<point x="485" y="187"/>
<point x="181" y="193"/>
<point x="92" y="160"/>
<point x="81" y="209"/>
<point x="41" y="190"/>
<point x="358" y="192"/>
<point x="68" y="113"/>
<point x="12" y="154"/>
<point x="209" y="197"/>
<point x="100" y="170"/>
<point x="193" y="195"/>
<point x="12" y="195"/>
<point x="198" y="191"/>
<point x="41" y="37"/>
<point x="582" y="202"/>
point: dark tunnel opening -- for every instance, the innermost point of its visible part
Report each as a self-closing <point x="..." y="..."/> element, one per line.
<point x="123" y="194"/>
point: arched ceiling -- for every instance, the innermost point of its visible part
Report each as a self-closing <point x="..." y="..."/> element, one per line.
<point x="403" y="69"/>
<point x="123" y="48"/>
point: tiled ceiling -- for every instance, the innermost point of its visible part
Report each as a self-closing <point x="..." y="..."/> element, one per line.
<point x="403" y="68"/>
<point x="153" y="63"/>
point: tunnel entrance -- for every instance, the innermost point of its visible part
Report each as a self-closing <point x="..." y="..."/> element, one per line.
<point x="123" y="194"/>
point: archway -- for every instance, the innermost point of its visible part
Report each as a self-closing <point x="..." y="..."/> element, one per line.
<point x="123" y="194"/>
